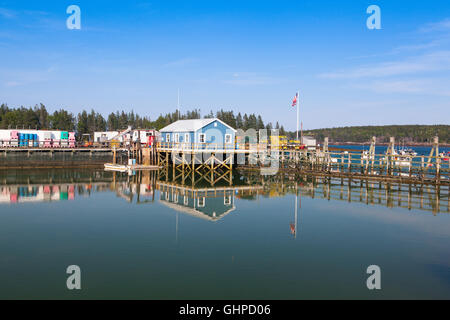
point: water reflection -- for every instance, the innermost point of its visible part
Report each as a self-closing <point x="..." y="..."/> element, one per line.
<point x="201" y="203"/>
<point x="215" y="202"/>
<point x="267" y="237"/>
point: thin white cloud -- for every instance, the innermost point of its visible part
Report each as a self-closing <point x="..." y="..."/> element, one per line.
<point x="8" y="35"/>
<point x="436" y="61"/>
<point x="15" y="78"/>
<point x="250" y="79"/>
<point x="36" y="12"/>
<point x="427" y="86"/>
<point x="435" y="56"/>
<point x="9" y="14"/>
<point x="10" y="84"/>
<point x="180" y="62"/>
<point x="436" y="26"/>
<point x="6" y="13"/>
<point x="417" y="47"/>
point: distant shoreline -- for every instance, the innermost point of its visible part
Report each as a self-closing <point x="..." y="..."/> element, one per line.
<point x="412" y="144"/>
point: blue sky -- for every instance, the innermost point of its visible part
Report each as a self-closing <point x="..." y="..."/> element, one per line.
<point x="247" y="56"/>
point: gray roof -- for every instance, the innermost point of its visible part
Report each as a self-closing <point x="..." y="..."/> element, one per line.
<point x="195" y="212"/>
<point x="190" y="125"/>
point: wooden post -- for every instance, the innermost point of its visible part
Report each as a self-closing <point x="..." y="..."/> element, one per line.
<point x="193" y="168"/>
<point x="174" y="161"/>
<point x="390" y="156"/>
<point x="422" y="167"/>
<point x="182" y="167"/>
<point x="349" y="165"/>
<point x="438" y="160"/>
<point x="212" y="168"/>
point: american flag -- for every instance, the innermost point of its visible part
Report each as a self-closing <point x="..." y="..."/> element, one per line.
<point x="295" y="101"/>
<point x="292" y="228"/>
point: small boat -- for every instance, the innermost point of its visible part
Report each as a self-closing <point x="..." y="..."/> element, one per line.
<point x="128" y="168"/>
<point x="401" y="159"/>
<point x="116" y="167"/>
<point x="407" y="152"/>
<point x="445" y="156"/>
<point x="367" y="156"/>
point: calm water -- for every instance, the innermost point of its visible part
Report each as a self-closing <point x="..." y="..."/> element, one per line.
<point x="134" y="237"/>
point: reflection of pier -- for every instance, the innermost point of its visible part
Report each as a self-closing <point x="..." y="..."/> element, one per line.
<point x="58" y="184"/>
<point x="142" y="185"/>
<point x="409" y="196"/>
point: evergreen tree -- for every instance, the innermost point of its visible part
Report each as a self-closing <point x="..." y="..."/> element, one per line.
<point x="239" y="121"/>
<point x="62" y="120"/>
<point x="113" y="122"/>
<point x="210" y="115"/>
<point x="259" y="123"/>
<point x="42" y="115"/>
<point x="82" y="123"/>
<point x="246" y="123"/>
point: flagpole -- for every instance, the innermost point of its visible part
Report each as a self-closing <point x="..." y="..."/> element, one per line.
<point x="178" y="105"/>
<point x="296" y="209"/>
<point x="298" y="111"/>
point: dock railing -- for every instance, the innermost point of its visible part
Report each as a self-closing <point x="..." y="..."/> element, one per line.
<point x="186" y="146"/>
<point x="421" y="167"/>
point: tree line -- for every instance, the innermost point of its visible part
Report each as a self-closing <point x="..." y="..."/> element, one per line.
<point x="402" y="133"/>
<point x="85" y="122"/>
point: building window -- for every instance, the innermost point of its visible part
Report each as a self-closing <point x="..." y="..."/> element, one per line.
<point x="176" y="138"/>
<point x="168" y="137"/>
<point x="186" y="200"/>
<point x="175" y="197"/>
<point x="186" y="137"/>
<point x="201" y="202"/>
<point x="228" y="138"/>
<point x="202" y="138"/>
<point x="227" y="200"/>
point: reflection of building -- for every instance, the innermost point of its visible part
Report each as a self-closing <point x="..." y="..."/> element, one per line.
<point x="47" y="192"/>
<point x="201" y="203"/>
<point x="36" y="193"/>
<point x="207" y="203"/>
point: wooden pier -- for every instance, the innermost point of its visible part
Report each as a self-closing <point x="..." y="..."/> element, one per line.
<point x="196" y="162"/>
<point x="215" y="162"/>
<point x="55" y="157"/>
